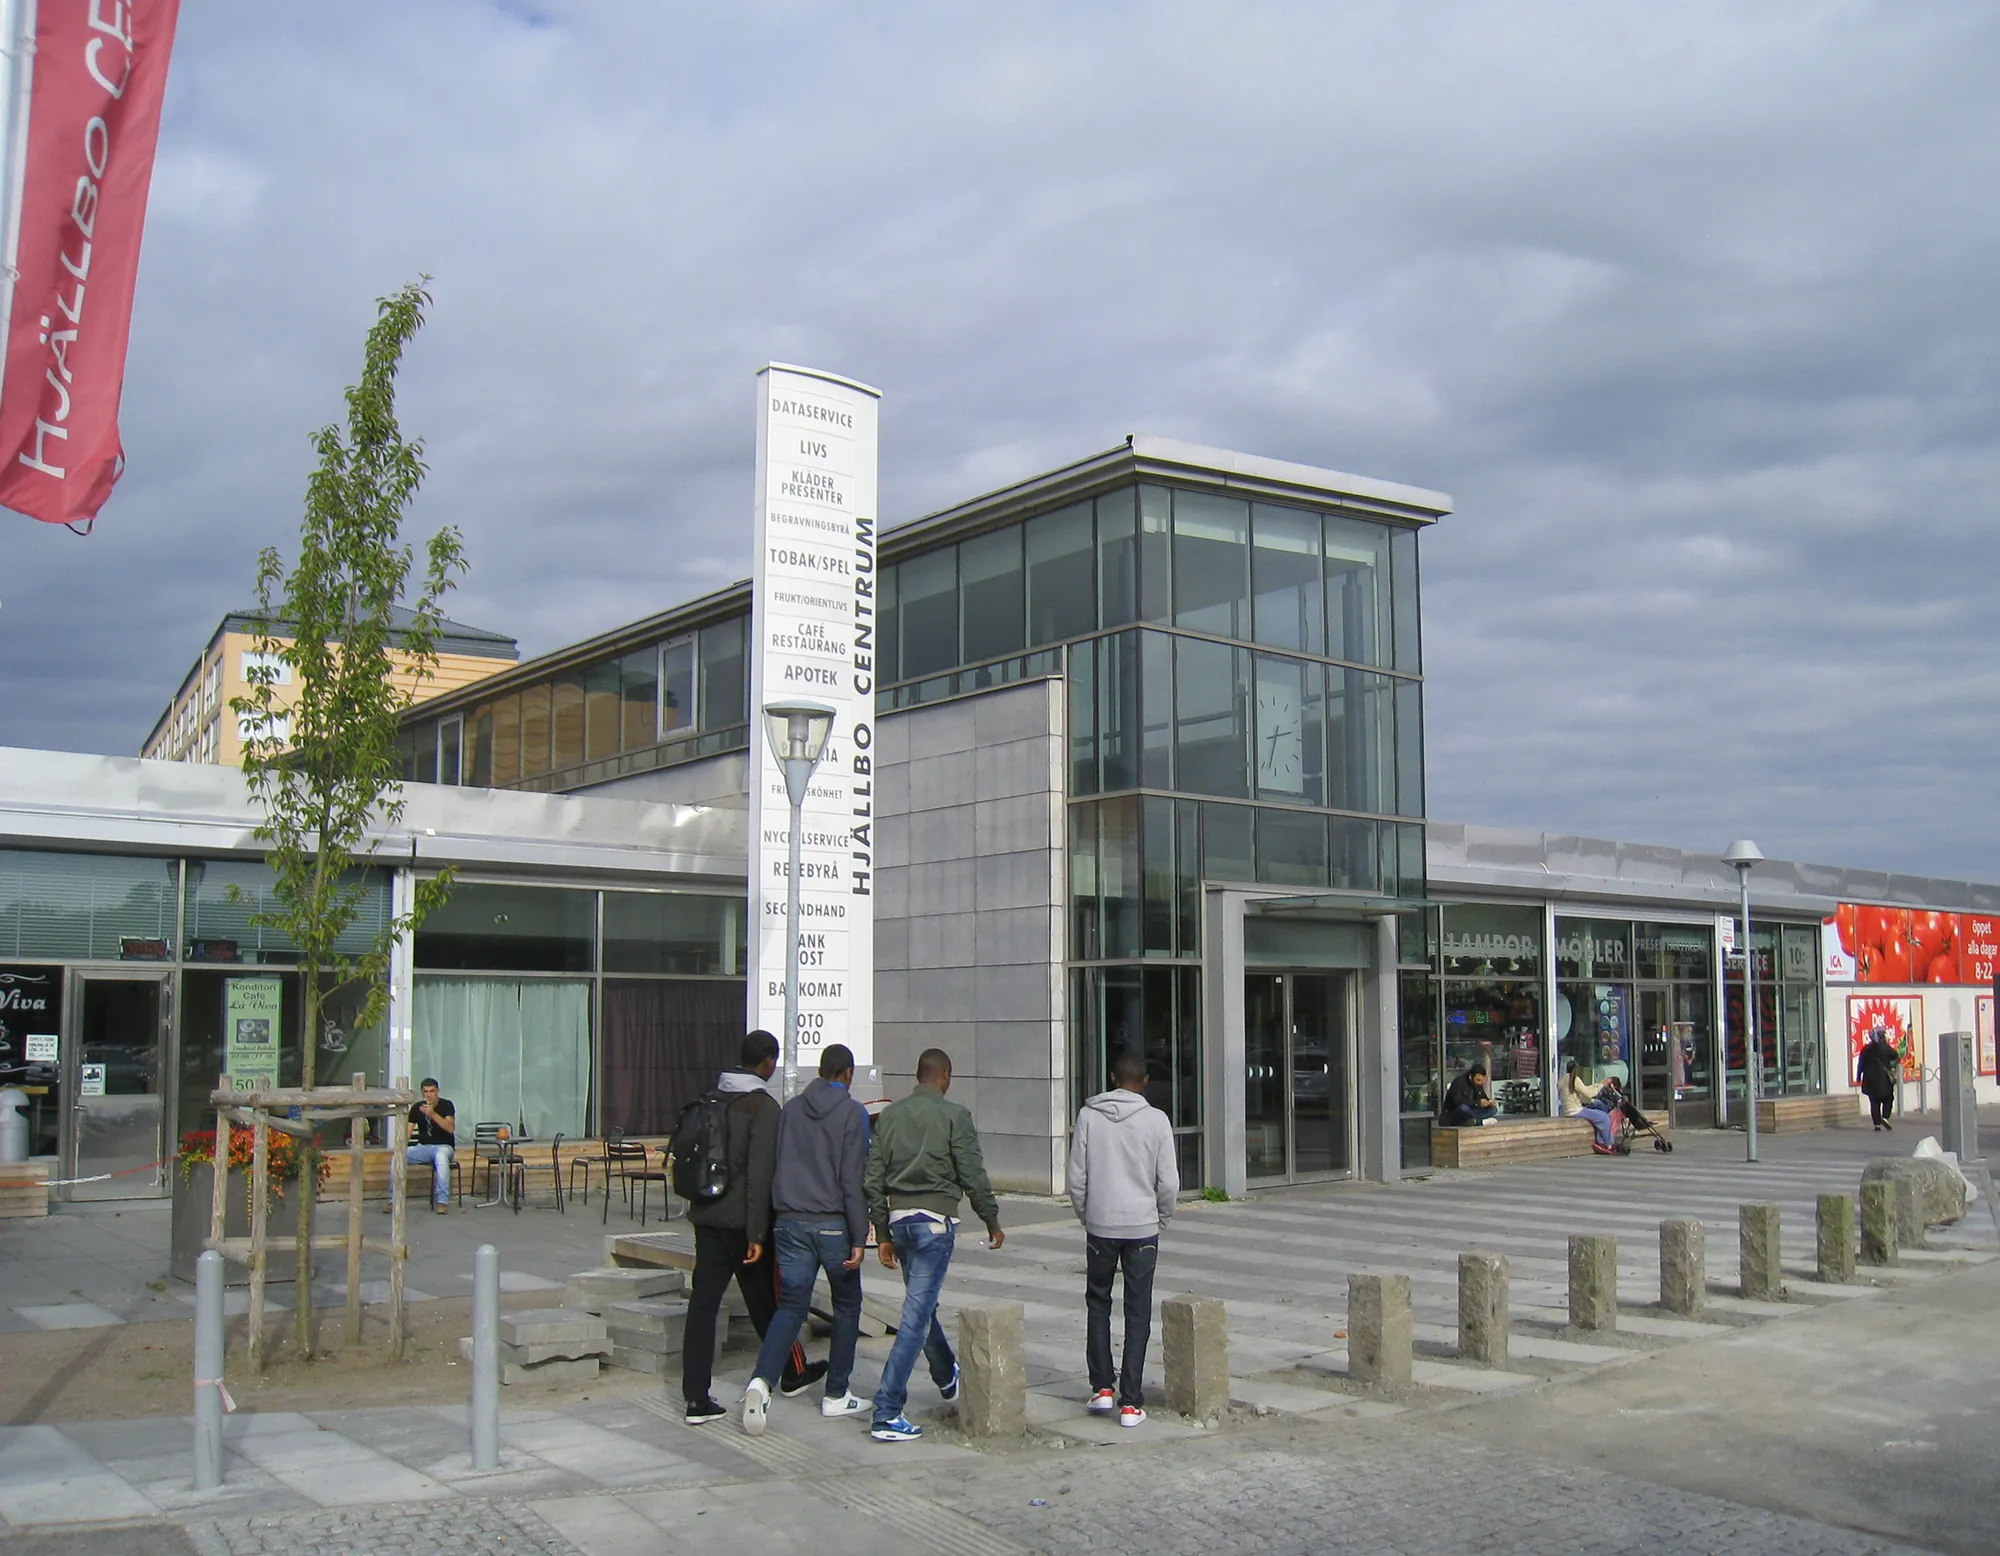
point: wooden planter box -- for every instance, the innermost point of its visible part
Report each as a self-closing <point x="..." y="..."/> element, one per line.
<point x="194" y="1204"/>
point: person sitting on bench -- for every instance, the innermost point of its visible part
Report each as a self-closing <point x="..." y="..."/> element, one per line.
<point x="434" y="1123"/>
<point x="1467" y="1101"/>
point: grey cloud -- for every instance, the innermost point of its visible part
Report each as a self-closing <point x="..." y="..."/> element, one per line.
<point x="1688" y="307"/>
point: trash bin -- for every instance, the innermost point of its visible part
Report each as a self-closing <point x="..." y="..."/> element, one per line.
<point x="13" y="1125"/>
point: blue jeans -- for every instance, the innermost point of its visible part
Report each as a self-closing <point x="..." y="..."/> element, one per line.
<point x="1600" y="1120"/>
<point x="806" y="1245"/>
<point x="923" y="1251"/>
<point x="439" y="1159"/>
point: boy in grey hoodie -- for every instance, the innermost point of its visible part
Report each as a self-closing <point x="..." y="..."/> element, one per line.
<point x="1122" y="1182"/>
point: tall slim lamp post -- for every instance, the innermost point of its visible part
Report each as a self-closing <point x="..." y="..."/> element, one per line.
<point x="1742" y="856"/>
<point x="797" y="731"/>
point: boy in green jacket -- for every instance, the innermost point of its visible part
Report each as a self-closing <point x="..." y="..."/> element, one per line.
<point x="924" y="1160"/>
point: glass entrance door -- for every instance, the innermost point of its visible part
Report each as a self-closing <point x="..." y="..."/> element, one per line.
<point x="1297" y="1088"/>
<point x="116" y="1082"/>
<point x="1674" y="1048"/>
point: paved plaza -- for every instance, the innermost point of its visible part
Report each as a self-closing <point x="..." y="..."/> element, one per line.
<point x="1305" y="1461"/>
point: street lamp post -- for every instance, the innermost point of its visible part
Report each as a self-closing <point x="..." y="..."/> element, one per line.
<point x="1742" y="856"/>
<point x="797" y="731"/>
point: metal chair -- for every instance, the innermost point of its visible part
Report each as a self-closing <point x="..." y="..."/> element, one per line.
<point x="584" y="1164"/>
<point x="555" y="1169"/>
<point x="619" y="1157"/>
<point x="485" y="1148"/>
<point x="645" y="1178"/>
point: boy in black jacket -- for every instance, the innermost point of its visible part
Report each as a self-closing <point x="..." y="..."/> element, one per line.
<point x="732" y="1234"/>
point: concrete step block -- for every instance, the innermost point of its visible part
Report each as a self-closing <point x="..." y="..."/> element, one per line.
<point x="561" y="1369"/>
<point x="641" y="1360"/>
<point x="548" y="1326"/>
<point x="593" y="1290"/>
<point x="555" y="1350"/>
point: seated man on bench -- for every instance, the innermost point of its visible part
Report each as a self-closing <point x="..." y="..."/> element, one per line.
<point x="1467" y="1101"/>
<point x="434" y="1125"/>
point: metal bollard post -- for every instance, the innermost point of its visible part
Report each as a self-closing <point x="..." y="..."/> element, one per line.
<point x="486" y="1358"/>
<point x="208" y="1282"/>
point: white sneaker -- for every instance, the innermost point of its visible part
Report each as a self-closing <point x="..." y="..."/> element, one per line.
<point x="1103" y="1402"/>
<point x="846" y="1405"/>
<point x="756" y="1401"/>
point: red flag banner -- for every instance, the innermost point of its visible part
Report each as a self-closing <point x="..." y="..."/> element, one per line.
<point x="85" y="123"/>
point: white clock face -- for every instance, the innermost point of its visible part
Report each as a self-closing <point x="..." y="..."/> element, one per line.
<point x="1280" y="742"/>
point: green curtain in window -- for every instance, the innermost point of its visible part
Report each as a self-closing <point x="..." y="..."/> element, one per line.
<point x="507" y="1050"/>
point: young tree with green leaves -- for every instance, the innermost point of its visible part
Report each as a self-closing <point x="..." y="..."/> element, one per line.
<point x="322" y="762"/>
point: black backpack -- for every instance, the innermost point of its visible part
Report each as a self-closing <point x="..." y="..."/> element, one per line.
<point x="701" y="1149"/>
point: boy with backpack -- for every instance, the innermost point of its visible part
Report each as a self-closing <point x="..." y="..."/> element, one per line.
<point x="724" y="1153"/>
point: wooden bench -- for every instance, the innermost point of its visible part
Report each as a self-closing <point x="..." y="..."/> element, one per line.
<point x="1794" y="1115"/>
<point x="535" y="1155"/>
<point x="24" y="1187"/>
<point x="1509" y="1141"/>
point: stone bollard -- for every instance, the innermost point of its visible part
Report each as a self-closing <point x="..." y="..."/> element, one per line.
<point x="1482" y="1308"/>
<point x="1909" y="1212"/>
<point x="1878" y="1223"/>
<point x="1760" y="1275"/>
<point x="1836" y="1238"/>
<point x="1194" y="1334"/>
<point x="1683" y="1267"/>
<point x="993" y="1374"/>
<point x="1593" y="1282"/>
<point x="1379" y="1330"/>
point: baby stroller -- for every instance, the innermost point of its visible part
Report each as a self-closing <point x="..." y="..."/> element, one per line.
<point x="1629" y="1124"/>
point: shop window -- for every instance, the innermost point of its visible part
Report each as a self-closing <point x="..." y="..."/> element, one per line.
<point x="1156" y="566"/>
<point x="507" y="739"/>
<point x="1800" y="960"/>
<point x="1291" y="848"/>
<point x="1117" y="557"/>
<point x="225" y="896"/>
<point x="929" y="591"/>
<point x="673" y="932"/>
<point x="1360" y="726"/>
<point x="1673" y="951"/>
<point x="1417" y="938"/>
<point x="479" y="747"/>
<point x="1156" y="689"/>
<point x="1403" y="587"/>
<point x="1354" y="854"/>
<point x="1212" y="564"/>
<point x="1286" y="578"/>
<point x="1062" y="585"/>
<point x="1594" y="1030"/>
<point x="1118" y="877"/>
<point x="603" y="717"/>
<point x="639" y="699"/>
<point x="724" y="700"/>
<point x="992" y="589"/>
<point x="94" y="906"/>
<point x="1290" y="741"/>
<point x="508" y="1050"/>
<point x="1420" y="1084"/>
<point x="510" y="929"/>
<point x="1593" y="948"/>
<point x="1211" y="718"/>
<point x="1085" y="941"/>
<point x="1498" y="1024"/>
<point x="677" y="688"/>
<point x="1118" y="711"/>
<point x="1357" y="589"/>
<point x="1486" y="941"/>
<point x="1157" y="834"/>
<point x="1227" y="853"/>
<point x="888" y="626"/>
<point x="1409" y="697"/>
<point x="534" y="730"/>
<point x="664" y="1040"/>
<point x="1082" y="687"/>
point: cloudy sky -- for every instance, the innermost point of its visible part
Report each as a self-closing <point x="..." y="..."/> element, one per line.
<point x="1691" y="309"/>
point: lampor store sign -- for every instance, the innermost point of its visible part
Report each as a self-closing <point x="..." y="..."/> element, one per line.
<point x="812" y="627"/>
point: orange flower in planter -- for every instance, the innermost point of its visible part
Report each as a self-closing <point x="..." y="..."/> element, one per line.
<point x="281" y="1155"/>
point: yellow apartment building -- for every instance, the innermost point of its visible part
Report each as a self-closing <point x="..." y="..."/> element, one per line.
<point x="197" y="725"/>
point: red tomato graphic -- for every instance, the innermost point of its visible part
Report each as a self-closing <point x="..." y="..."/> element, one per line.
<point x="1943" y="969"/>
<point x="1877" y="927"/>
<point x="1933" y="934"/>
<point x="1846" y="927"/>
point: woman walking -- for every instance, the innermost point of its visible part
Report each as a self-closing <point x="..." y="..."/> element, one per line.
<point x="1876" y="1074"/>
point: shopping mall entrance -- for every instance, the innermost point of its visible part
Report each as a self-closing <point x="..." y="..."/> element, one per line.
<point x="1298" y="1072"/>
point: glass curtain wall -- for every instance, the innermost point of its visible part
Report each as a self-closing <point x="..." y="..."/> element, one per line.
<point x="1790" y="1037"/>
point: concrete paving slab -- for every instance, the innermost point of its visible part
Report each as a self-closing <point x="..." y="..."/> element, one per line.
<point x="521" y="1280"/>
<point x="46" y="1478"/>
<point x="1465" y="1379"/>
<point x="605" y="1526"/>
<point x="337" y="1472"/>
<point x="1048" y="1413"/>
<point x="69" y="1315"/>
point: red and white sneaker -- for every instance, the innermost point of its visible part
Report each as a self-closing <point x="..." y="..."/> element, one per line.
<point x="1103" y="1402"/>
<point x="1131" y="1415"/>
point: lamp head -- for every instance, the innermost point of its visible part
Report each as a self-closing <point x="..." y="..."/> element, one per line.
<point x="1742" y="854"/>
<point x="798" y="729"/>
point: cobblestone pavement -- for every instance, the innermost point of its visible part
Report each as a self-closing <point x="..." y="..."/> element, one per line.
<point x="1388" y="1490"/>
